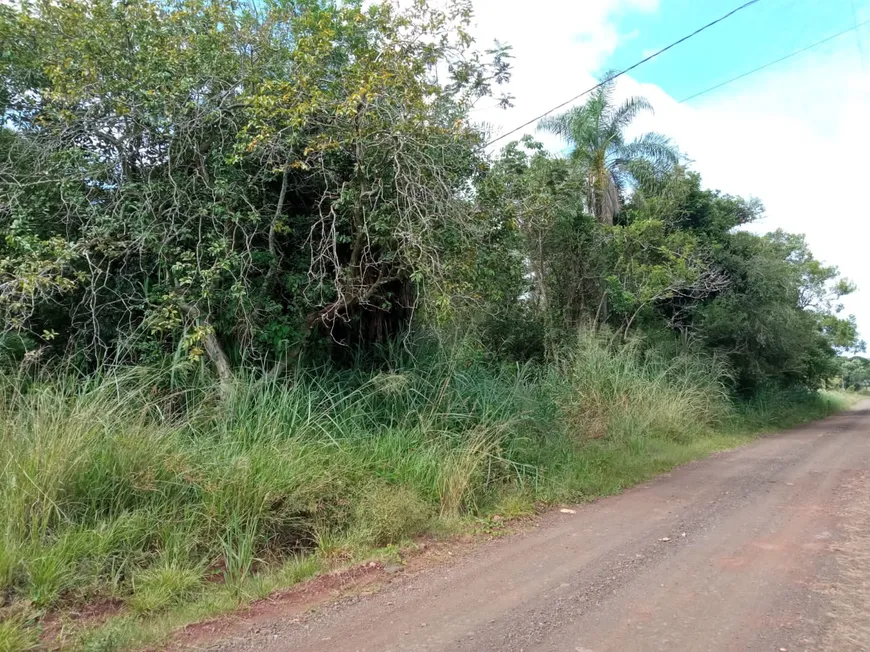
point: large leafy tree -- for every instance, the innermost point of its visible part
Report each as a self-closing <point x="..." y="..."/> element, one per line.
<point x="779" y="319"/>
<point x="559" y="247"/>
<point x="232" y="182"/>
<point x="679" y="261"/>
<point x="775" y="313"/>
<point x="582" y="271"/>
<point x="223" y="179"/>
<point x="610" y="164"/>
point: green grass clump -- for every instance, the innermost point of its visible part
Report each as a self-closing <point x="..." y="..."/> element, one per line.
<point x="514" y="503"/>
<point x="127" y="486"/>
<point x="159" y="587"/>
<point x="773" y="408"/>
<point x="391" y="514"/>
<point x="15" y="636"/>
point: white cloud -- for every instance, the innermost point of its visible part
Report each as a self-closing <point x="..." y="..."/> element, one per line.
<point x="557" y="44"/>
<point x="797" y="135"/>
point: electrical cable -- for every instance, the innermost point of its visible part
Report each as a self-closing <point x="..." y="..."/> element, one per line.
<point x="626" y="70"/>
<point x="771" y="63"/>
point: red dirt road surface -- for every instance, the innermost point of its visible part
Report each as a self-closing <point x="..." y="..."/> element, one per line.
<point x="763" y="548"/>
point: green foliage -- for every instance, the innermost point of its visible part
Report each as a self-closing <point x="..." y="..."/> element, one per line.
<point x="219" y="179"/>
<point x="391" y="514"/>
<point x="298" y="186"/>
<point x="110" y="492"/>
<point x="777" y="321"/>
<point x="624" y="391"/>
<point x="855" y="373"/>
<point x="600" y="154"/>
<point x="114" y="490"/>
<point x="254" y="186"/>
<point x="677" y="260"/>
<point x="776" y="407"/>
<point x="655" y="266"/>
<point x="560" y="250"/>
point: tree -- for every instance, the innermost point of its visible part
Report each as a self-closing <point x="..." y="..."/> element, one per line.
<point x="226" y="180"/>
<point x="563" y="251"/>
<point x="609" y="165"/>
<point x="778" y="321"/>
<point x="245" y="183"/>
<point x="856" y="373"/>
<point x="773" y="312"/>
<point x="660" y="273"/>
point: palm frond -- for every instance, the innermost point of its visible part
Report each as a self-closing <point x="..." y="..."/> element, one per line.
<point x="624" y="115"/>
<point x="601" y="157"/>
<point x="638" y="174"/>
<point x="608" y="85"/>
<point x="652" y="147"/>
<point x="561" y="125"/>
<point x="641" y="174"/>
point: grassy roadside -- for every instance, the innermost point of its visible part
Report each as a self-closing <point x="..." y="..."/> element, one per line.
<point x="166" y="506"/>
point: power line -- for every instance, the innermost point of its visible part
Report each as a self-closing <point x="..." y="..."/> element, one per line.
<point x="772" y="63"/>
<point x="622" y="72"/>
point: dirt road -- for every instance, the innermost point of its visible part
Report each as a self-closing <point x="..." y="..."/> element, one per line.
<point x="762" y="548"/>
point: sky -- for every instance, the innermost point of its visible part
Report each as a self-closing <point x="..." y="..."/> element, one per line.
<point x="795" y="135"/>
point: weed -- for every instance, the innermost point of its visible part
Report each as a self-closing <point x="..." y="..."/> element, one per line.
<point x="49" y="574"/>
<point x="462" y="477"/>
<point x="11" y="558"/>
<point x="104" y="639"/>
<point x="238" y="543"/>
<point x="513" y="504"/>
<point x="16" y="636"/>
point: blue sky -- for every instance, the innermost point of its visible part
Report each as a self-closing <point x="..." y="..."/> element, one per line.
<point x="763" y="32"/>
<point x="796" y="135"/>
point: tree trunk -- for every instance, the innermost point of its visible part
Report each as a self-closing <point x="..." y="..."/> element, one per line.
<point x="213" y="350"/>
<point x="273" y="247"/>
<point x="221" y="362"/>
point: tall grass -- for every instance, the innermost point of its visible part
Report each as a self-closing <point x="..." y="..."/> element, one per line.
<point x="124" y="486"/>
<point x="625" y="391"/>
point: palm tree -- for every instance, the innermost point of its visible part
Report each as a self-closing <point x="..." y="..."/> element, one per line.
<point x="595" y="133"/>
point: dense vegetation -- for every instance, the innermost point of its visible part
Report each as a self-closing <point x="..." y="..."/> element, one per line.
<point x="265" y="293"/>
<point x="855" y="373"/>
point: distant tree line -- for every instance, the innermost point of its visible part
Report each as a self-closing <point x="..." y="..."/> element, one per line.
<point x="856" y="373"/>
